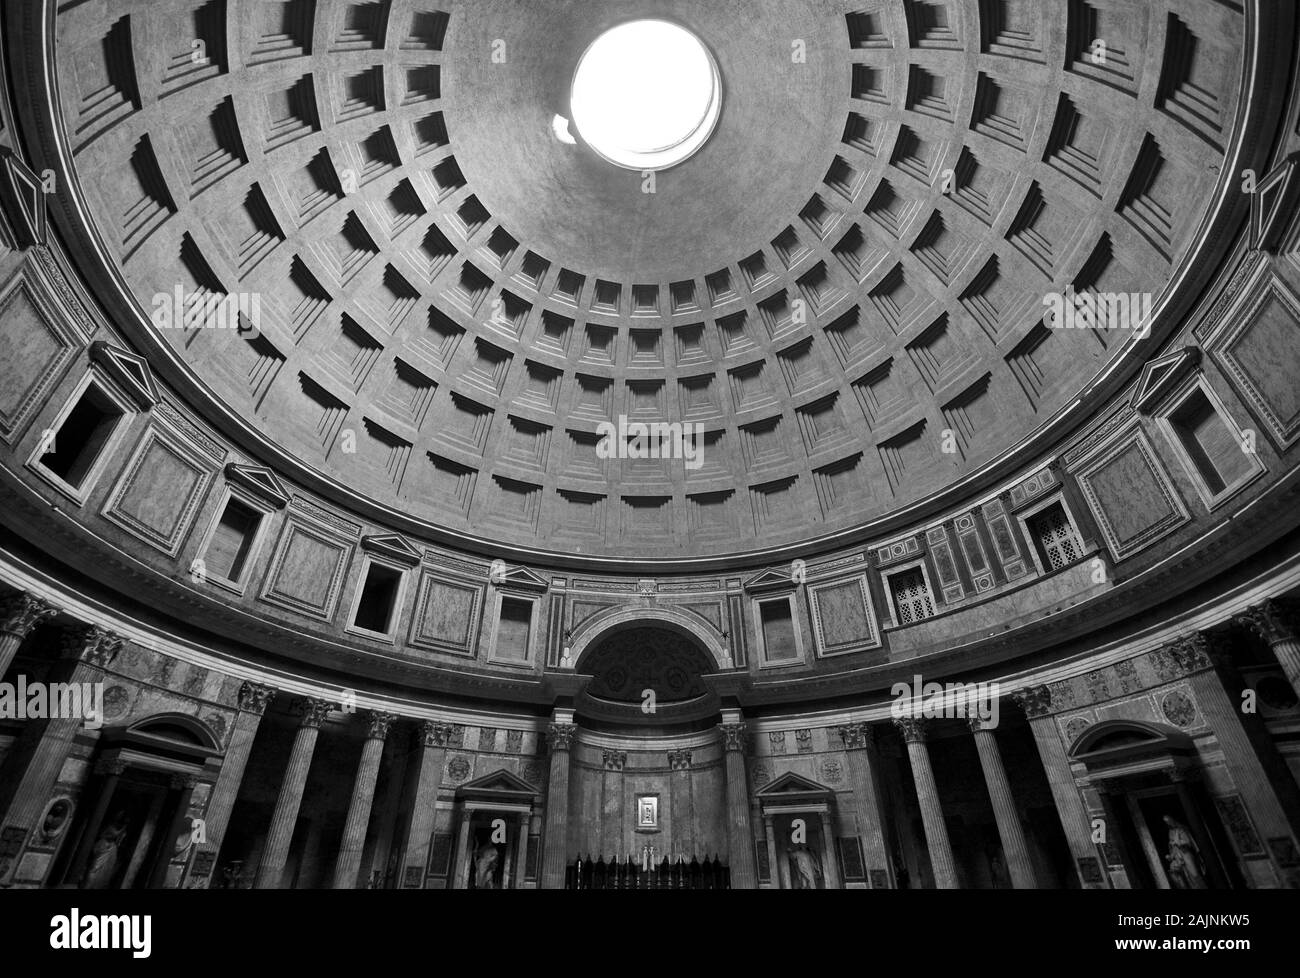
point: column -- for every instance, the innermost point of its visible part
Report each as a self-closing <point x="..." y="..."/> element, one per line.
<point x="363" y="797"/>
<point x="681" y="826"/>
<point x="88" y="650"/>
<point x="253" y="700"/>
<point x="276" y="852"/>
<point x="609" y="836"/>
<point x="1267" y="789"/>
<point x="1036" y="701"/>
<point x="769" y="835"/>
<point x="830" y="857"/>
<point x="1199" y="832"/>
<point x="927" y="794"/>
<point x="559" y="738"/>
<point x="1269" y="622"/>
<point x="521" y="851"/>
<point x="19" y="615"/>
<point x="110" y="772"/>
<point x="740" y="837"/>
<point x="864" y="762"/>
<point x="463" y="856"/>
<point x="183" y="785"/>
<point x="431" y="747"/>
<point x="1010" y="830"/>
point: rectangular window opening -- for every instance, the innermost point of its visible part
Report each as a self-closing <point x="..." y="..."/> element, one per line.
<point x="81" y="437"/>
<point x="912" y="601"/>
<point x="232" y="540"/>
<point x="1054" y="537"/>
<point x="1209" y="443"/>
<point x="778" y="631"/>
<point x="514" y="628"/>
<point x="378" y="597"/>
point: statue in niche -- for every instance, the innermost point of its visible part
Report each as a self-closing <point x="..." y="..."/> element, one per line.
<point x="1186" y="870"/>
<point x="805" y="869"/>
<point x="104" y="854"/>
<point x="485" y="865"/>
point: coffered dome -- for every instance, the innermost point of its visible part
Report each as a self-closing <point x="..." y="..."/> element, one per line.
<point x="445" y="291"/>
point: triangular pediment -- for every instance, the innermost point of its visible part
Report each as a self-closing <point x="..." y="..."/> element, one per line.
<point x="500" y="782"/>
<point x="793" y="784"/>
<point x="769" y="580"/>
<point x="1161" y="374"/>
<point x="521" y="578"/>
<point x="262" y="483"/>
<point x="24" y="200"/>
<point x="393" y="546"/>
<point x="1270" y="204"/>
<point x="129" y="370"/>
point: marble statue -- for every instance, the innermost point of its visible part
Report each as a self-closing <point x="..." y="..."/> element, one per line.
<point x="485" y="864"/>
<point x="805" y="869"/>
<point x="104" y="854"/>
<point x="1186" y="870"/>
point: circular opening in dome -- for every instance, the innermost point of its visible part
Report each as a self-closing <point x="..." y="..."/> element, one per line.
<point x="646" y="95"/>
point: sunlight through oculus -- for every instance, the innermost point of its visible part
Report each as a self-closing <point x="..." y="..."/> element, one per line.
<point x="646" y="95"/>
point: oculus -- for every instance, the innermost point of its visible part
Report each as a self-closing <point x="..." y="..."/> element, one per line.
<point x="646" y="95"/>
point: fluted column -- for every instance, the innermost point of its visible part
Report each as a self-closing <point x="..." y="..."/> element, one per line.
<point x="769" y="838"/>
<point x="89" y="650"/>
<point x="829" y="855"/>
<point x="19" y="615"/>
<point x="1268" y="621"/>
<point x="363" y="798"/>
<point x="609" y="838"/>
<point x="1010" y="830"/>
<point x="276" y="853"/>
<point x="183" y="785"/>
<point x="521" y="852"/>
<point x="559" y="738"/>
<point x="1257" y="771"/>
<point x="927" y="794"/>
<point x="740" y="837"/>
<point x="679" y="800"/>
<point x="864" y="762"/>
<point x="253" y="700"/>
<point x="431" y="746"/>
<point x="110" y="772"/>
<point x="1036" y="701"/>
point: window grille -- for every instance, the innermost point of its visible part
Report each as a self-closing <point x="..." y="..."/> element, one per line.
<point x="912" y="601"/>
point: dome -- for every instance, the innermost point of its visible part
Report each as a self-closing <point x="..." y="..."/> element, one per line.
<point x="696" y="416"/>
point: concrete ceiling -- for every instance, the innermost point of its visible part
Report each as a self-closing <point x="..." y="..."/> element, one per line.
<point x="844" y="287"/>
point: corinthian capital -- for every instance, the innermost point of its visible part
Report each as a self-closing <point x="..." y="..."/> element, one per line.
<point x="1269" y="622"/>
<point x="679" y="760"/>
<point x="20" y="613"/>
<point x="857" y="736"/>
<point x="733" y="736"/>
<point x="93" y="644"/>
<point x="559" y="736"/>
<point x="314" y="711"/>
<point x="614" y="759"/>
<point x="377" y="725"/>
<point x="1036" y="701"/>
<point x="436" y="733"/>
<point x="1191" y="653"/>
<point x="254" y="698"/>
<point x="913" y="729"/>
